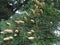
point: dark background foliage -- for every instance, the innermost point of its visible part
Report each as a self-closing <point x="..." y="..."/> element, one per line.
<point x="8" y="7"/>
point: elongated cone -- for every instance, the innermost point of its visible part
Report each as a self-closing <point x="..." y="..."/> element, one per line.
<point x="41" y="11"/>
<point x="29" y="32"/>
<point x="8" y="31"/>
<point x="19" y="21"/>
<point x="36" y="6"/>
<point x="33" y="11"/>
<point x="31" y="38"/>
<point x="8" y="38"/>
<point x="8" y="23"/>
<point x="32" y="31"/>
<point x="32" y="21"/>
<point x="37" y="2"/>
<point x="26" y="12"/>
<point x="25" y="18"/>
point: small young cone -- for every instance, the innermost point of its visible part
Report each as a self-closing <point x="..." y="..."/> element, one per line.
<point x="31" y="38"/>
<point x="16" y="31"/>
<point x="20" y="21"/>
<point x="8" y="31"/>
<point x="32" y="31"/>
<point x="2" y="32"/>
<point x="11" y="37"/>
<point x="36" y="6"/>
<point x="33" y="11"/>
<point x="52" y="3"/>
<point x="15" y="35"/>
<point x="41" y="11"/>
<point x="8" y="38"/>
<point x="32" y="21"/>
<point x="25" y="18"/>
<point x="29" y="32"/>
<point x="37" y="2"/>
<point x="8" y="23"/>
<point x="26" y="12"/>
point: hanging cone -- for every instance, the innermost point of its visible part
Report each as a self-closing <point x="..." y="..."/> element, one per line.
<point x="37" y="2"/>
<point x="26" y="12"/>
<point x="36" y="6"/>
<point x="25" y="18"/>
<point x="33" y="11"/>
<point x="41" y="11"/>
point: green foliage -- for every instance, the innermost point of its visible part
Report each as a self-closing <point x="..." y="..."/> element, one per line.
<point x="35" y="26"/>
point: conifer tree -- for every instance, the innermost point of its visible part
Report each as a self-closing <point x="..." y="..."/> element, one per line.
<point x="35" y="26"/>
